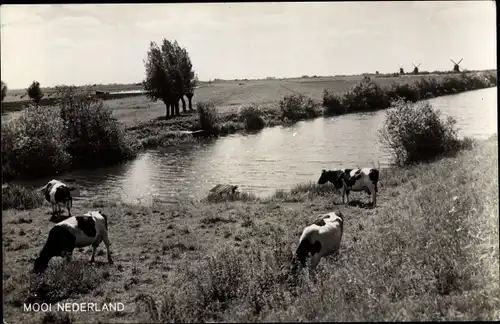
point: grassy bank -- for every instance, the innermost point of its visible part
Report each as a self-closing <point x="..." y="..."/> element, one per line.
<point x="429" y="251"/>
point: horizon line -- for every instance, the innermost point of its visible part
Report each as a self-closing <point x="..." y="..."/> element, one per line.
<point x="267" y="78"/>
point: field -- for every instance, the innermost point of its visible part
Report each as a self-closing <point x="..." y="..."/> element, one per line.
<point x="227" y="95"/>
<point x="429" y="251"/>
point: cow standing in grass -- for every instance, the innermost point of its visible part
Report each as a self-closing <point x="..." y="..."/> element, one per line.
<point x="76" y="231"/>
<point x="321" y="238"/>
<point x="365" y="179"/>
<point x="57" y="193"/>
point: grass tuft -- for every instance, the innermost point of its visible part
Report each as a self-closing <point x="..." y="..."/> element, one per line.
<point x="62" y="281"/>
<point x="21" y="197"/>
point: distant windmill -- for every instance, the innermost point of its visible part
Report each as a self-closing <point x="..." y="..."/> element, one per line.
<point x="456" y="67"/>
<point x="401" y="71"/>
<point x="415" y="70"/>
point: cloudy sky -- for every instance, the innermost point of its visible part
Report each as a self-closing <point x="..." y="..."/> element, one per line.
<point x="103" y="43"/>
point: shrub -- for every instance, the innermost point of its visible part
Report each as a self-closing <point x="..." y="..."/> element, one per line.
<point x="414" y="132"/>
<point x="34" y="144"/>
<point x="20" y="197"/>
<point x="251" y="117"/>
<point x="207" y="117"/>
<point x="229" y="127"/>
<point x="366" y="96"/>
<point x="95" y="135"/>
<point x="491" y="77"/>
<point x="405" y="91"/>
<point x="475" y="81"/>
<point x="298" y="106"/>
<point x="333" y="104"/>
<point x="428" y="88"/>
<point x="452" y="85"/>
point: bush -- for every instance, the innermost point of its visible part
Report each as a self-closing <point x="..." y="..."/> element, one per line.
<point x="492" y="78"/>
<point x="251" y="117"/>
<point x="405" y="91"/>
<point x="46" y="140"/>
<point x="34" y="144"/>
<point x="414" y="132"/>
<point x="95" y="135"/>
<point x="428" y="88"/>
<point x="366" y="96"/>
<point x="298" y="106"/>
<point x="207" y="117"/>
<point x="21" y="198"/>
<point x="333" y="104"/>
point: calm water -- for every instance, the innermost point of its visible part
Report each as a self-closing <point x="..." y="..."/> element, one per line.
<point x="277" y="157"/>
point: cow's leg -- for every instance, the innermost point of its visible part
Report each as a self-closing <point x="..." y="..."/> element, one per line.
<point x="374" y="198"/>
<point x="68" y="206"/>
<point x="314" y="261"/>
<point x="343" y="194"/>
<point x="95" y="245"/>
<point x="107" y="244"/>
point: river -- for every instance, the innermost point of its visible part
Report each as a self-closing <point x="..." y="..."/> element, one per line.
<point x="275" y="158"/>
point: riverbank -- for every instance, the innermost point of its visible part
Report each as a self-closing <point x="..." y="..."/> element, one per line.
<point x="367" y="95"/>
<point x="429" y="251"/>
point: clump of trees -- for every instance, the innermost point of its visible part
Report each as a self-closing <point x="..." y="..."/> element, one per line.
<point x="169" y="76"/>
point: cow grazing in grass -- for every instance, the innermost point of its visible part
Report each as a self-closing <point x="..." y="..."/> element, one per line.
<point x="57" y="193"/>
<point x="365" y="179"/>
<point x="75" y="232"/>
<point x="321" y="239"/>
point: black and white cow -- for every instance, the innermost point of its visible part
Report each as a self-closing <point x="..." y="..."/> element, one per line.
<point x="321" y="238"/>
<point x="75" y="232"/>
<point x="57" y="193"/>
<point x="365" y="179"/>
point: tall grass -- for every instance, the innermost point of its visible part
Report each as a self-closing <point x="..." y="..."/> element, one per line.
<point x="208" y="119"/>
<point x="431" y="254"/>
<point x="62" y="281"/>
<point x="21" y="197"/>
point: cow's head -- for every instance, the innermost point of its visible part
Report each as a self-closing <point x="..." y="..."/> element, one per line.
<point x="334" y="177"/>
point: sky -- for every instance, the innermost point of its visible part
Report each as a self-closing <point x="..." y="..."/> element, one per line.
<point x="107" y="43"/>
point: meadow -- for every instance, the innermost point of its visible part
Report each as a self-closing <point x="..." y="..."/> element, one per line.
<point x="429" y="251"/>
<point x="227" y="95"/>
